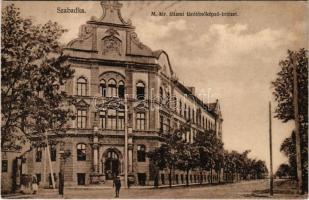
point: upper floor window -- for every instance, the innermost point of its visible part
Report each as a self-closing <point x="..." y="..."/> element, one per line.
<point x="103" y="88"/>
<point x="121" y="89"/>
<point x="161" y="123"/>
<point x="103" y="119"/>
<point x="161" y="95"/>
<point x="140" y="90"/>
<point x="193" y="116"/>
<point x="185" y="111"/>
<point x="81" y="118"/>
<point x="82" y="86"/>
<point x="81" y="152"/>
<point x="180" y="107"/>
<point x="111" y="120"/>
<point x="141" y="153"/>
<point x="167" y="99"/>
<point x="53" y="152"/>
<point x="38" y="154"/>
<point x="112" y="89"/>
<point x="140" y="121"/>
<point x="120" y="120"/>
<point x="189" y="113"/>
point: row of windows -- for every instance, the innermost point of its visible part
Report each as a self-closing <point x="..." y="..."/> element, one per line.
<point x="52" y="152"/>
<point x="110" y="88"/>
<point x="81" y="154"/>
<point x="111" y="119"/>
<point x="190" y="114"/>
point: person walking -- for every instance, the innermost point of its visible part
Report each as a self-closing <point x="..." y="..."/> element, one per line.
<point x="117" y="184"/>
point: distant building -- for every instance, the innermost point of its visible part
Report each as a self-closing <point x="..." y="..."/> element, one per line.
<point x="110" y="62"/>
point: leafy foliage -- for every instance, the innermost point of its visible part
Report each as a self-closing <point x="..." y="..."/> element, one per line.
<point x="283" y="92"/>
<point x="33" y="76"/>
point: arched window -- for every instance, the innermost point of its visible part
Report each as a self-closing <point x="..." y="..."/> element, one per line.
<point x="141" y="153"/>
<point x="121" y="91"/>
<point x="140" y="90"/>
<point x="103" y="88"/>
<point x="81" y="152"/>
<point x="82" y="86"/>
<point x="112" y="88"/>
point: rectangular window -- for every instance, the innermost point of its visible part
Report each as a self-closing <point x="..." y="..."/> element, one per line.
<point x="176" y="179"/>
<point x="38" y="178"/>
<point x="140" y="121"/>
<point x="81" y="177"/>
<point x="103" y="119"/>
<point x="111" y="120"/>
<point x="120" y="121"/>
<point x="53" y="152"/>
<point x="141" y="179"/>
<point x="4" y="166"/>
<point x="38" y="154"/>
<point x="161" y="124"/>
<point x="81" y="118"/>
<point x="141" y="153"/>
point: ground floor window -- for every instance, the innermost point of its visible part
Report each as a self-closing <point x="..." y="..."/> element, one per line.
<point x="176" y="178"/>
<point x="81" y="177"/>
<point x="38" y="178"/>
<point x="4" y="166"/>
<point x="181" y="178"/>
<point x="190" y="178"/>
<point x="141" y="179"/>
<point x="162" y="179"/>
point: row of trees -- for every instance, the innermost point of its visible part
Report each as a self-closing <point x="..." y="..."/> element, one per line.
<point x="206" y="153"/>
<point x="283" y="92"/>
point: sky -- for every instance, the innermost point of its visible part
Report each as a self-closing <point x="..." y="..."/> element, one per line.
<point x="233" y="59"/>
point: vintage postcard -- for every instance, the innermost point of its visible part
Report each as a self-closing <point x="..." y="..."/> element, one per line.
<point x="154" y="99"/>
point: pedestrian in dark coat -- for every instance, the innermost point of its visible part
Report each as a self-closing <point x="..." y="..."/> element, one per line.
<point x="117" y="184"/>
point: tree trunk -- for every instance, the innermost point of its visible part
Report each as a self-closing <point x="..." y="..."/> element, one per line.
<point x="211" y="175"/>
<point x="170" y="177"/>
<point x="187" y="177"/>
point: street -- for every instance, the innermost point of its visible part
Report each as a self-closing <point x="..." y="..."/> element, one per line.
<point x="245" y="189"/>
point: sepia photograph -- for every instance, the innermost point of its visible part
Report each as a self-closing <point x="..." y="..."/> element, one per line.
<point x="154" y="99"/>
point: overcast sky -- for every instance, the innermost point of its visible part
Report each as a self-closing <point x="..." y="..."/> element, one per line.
<point x="235" y="58"/>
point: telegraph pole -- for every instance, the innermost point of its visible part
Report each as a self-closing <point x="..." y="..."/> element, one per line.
<point x="271" y="185"/>
<point x="297" y="132"/>
<point x="126" y="142"/>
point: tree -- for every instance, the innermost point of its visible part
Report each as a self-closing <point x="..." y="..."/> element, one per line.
<point x="284" y="170"/>
<point x="283" y="92"/>
<point x="33" y="75"/>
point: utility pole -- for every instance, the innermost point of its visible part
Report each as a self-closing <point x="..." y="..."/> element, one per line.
<point x="271" y="185"/>
<point x="126" y="141"/>
<point x="297" y="132"/>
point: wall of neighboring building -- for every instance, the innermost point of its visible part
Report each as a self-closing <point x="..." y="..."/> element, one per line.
<point x="7" y="170"/>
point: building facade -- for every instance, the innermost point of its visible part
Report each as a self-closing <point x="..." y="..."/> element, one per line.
<point x="122" y="87"/>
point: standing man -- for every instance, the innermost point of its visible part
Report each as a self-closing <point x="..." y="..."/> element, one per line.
<point x="117" y="184"/>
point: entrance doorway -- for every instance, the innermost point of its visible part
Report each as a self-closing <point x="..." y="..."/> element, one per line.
<point x="111" y="165"/>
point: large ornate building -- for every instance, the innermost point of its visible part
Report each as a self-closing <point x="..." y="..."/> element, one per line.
<point x="122" y="87"/>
